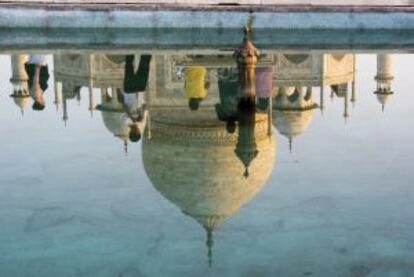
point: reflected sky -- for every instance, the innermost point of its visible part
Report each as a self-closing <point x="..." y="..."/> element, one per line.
<point x="304" y="186"/>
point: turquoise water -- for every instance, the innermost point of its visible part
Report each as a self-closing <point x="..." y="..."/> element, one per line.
<point x="339" y="203"/>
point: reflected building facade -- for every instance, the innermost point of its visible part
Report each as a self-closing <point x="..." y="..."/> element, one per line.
<point x="296" y="75"/>
<point x="74" y="71"/>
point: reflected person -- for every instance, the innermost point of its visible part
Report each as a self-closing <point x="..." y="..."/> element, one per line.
<point x="264" y="87"/>
<point x="38" y="72"/>
<point x="195" y="86"/>
<point x="132" y="97"/>
<point x="227" y="109"/>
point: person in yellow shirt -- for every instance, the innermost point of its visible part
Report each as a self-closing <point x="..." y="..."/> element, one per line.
<point x="195" y="85"/>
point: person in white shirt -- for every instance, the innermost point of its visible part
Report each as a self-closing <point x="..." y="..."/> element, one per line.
<point x="135" y="112"/>
<point x="38" y="72"/>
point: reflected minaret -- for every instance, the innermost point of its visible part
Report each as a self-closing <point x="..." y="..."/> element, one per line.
<point x="384" y="77"/>
<point x="65" y="110"/>
<point x="19" y="80"/>
<point x="353" y="96"/>
<point x="57" y="95"/>
<point x="91" y="76"/>
<point x="321" y="99"/>
<point x="69" y="90"/>
<point x="341" y="91"/>
<point x="111" y="110"/>
<point x="91" y="100"/>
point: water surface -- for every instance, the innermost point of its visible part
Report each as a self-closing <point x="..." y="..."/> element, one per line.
<point x="327" y="191"/>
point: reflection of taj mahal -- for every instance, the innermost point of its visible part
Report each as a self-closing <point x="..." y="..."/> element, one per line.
<point x="189" y="156"/>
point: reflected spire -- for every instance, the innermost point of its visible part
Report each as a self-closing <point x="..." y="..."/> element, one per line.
<point x="91" y="75"/>
<point x="321" y="100"/>
<point x="209" y="244"/>
<point x="57" y="94"/>
<point x="78" y="97"/>
<point x="353" y="97"/>
<point x="65" y="110"/>
<point x="91" y="99"/>
<point x="346" y="113"/>
<point x="126" y="147"/>
<point x="290" y="145"/>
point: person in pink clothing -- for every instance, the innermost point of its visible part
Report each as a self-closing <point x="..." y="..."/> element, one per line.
<point x="264" y="86"/>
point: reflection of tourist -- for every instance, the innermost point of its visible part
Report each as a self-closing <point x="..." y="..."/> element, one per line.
<point x="229" y="97"/>
<point x="264" y="87"/>
<point x="135" y="113"/>
<point x="38" y="73"/>
<point x="195" y="86"/>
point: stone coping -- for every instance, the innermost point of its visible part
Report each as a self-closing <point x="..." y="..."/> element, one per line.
<point x="108" y="5"/>
<point x="47" y="15"/>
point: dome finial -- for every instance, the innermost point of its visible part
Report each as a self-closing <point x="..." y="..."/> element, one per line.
<point x="248" y="28"/>
<point x="290" y="145"/>
<point x="209" y="244"/>
<point x="383" y="107"/>
<point x="126" y="147"/>
<point x="246" y="172"/>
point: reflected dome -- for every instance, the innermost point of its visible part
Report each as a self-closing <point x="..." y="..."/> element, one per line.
<point x="22" y="102"/>
<point x="292" y="123"/>
<point x="111" y="110"/>
<point x="112" y="123"/>
<point x="192" y="163"/>
<point x="383" y="98"/>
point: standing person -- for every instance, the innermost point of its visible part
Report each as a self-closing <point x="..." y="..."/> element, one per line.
<point x="135" y="112"/>
<point x="38" y="72"/>
<point x="195" y="85"/>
